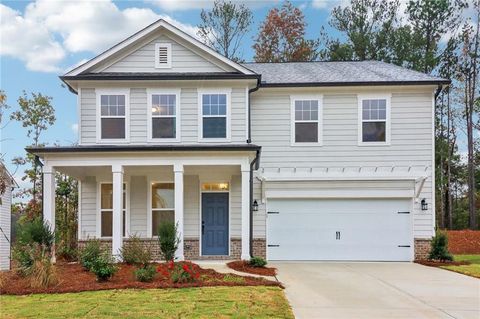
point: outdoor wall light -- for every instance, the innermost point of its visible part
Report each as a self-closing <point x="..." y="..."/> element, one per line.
<point x="255" y="206"/>
<point x="424" y="204"/>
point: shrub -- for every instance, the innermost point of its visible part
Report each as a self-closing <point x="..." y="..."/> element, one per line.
<point x="135" y="253"/>
<point x="66" y="252"/>
<point x="439" y="248"/>
<point x="35" y="231"/>
<point x="257" y="262"/>
<point x="169" y="240"/>
<point x="23" y="256"/>
<point x="44" y="273"/>
<point x="145" y="274"/>
<point x="90" y="253"/>
<point x="181" y="272"/>
<point x="103" y="267"/>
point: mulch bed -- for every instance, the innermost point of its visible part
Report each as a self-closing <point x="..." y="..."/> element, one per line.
<point x="73" y="278"/>
<point x="243" y="266"/>
<point x="464" y="241"/>
<point x="435" y="263"/>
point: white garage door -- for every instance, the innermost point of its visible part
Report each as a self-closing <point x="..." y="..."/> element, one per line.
<point x="339" y="229"/>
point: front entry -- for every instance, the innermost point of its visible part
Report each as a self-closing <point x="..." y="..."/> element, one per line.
<point x="215" y="224"/>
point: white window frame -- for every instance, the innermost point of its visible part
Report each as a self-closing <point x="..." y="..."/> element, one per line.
<point x="293" y="99"/>
<point x="149" y="204"/>
<point x="100" y="210"/>
<point x="169" y="55"/>
<point x="99" y="93"/>
<point x="201" y="93"/>
<point x="385" y="96"/>
<point x="177" y="93"/>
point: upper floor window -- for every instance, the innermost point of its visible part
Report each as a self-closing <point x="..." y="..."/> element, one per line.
<point x="374" y="120"/>
<point x="306" y="120"/>
<point x="164" y="121"/>
<point x="163" y="55"/>
<point x="215" y="116"/>
<point x="112" y="111"/>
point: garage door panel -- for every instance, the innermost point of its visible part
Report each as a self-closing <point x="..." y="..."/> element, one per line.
<point x="347" y="229"/>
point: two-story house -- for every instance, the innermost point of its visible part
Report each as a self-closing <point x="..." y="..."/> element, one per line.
<point x="291" y="161"/>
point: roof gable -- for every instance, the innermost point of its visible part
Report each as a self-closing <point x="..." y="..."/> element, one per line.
<point x="158" y="31"/>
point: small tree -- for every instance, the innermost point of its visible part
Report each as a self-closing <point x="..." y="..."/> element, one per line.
<point x="169" y="239"/>
<point x="282" y="37"/>
<point x="439" y="250"/>
<point x="224" y="26"/>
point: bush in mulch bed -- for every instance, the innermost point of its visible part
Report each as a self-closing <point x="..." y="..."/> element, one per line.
<point x="244" y="266"/>
<point x="73" y="278"/>
<point x="464" y="241"/>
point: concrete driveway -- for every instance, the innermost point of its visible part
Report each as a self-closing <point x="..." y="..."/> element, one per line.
<point x="378" y="290"/>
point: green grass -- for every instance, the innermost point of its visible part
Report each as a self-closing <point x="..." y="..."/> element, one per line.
<point x="207" y="302"/>
<point x="470" y="270"/>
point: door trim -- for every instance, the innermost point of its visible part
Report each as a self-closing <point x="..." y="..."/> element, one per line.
<point x="200" y="252"/>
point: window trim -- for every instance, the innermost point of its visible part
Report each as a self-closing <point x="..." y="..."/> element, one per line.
<point x="201" y="93"/>
<point x="98" y="94"/>
<point x="150" y="181"/>
<point x="150" y="116"/>
<point x="168" y="45"/>
<point x="99" y="209"/>
<point x="293" y="99"/>
<point x="380" y="96"/>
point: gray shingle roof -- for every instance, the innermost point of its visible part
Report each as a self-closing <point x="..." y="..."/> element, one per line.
<point x="339" y="73"/>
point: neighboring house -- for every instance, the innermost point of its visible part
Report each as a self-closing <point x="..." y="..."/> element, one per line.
<point x="5" y="217"/>
<point x="292" y="161"/>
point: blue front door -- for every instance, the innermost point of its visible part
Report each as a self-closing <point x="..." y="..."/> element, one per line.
<point x="215" y="224"/>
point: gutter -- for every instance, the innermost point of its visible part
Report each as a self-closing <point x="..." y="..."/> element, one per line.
<point x="255" y="164"/>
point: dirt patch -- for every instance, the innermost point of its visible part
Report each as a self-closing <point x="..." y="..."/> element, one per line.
<point x="435" y="263"/>
<point x="244" y="266"/>
<point x="464" y="241"/>
<point x="73" y="278"/>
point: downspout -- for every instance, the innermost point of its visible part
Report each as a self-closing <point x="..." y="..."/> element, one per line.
<point x="250" y="91"/>
<point x="254" y="165"/>
<point x="437" y="92"/>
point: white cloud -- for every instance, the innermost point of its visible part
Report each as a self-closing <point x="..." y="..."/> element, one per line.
<point x="49" y="30"/>
<point x="182" y="5"/>
<point x="74" y="128"/>
<point x="328" y="4"/>
<point x="28" y="41"/>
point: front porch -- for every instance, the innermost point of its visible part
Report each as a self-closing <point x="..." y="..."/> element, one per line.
<point x="207" y="194"/>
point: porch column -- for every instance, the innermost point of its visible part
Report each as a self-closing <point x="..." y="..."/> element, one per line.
<point x="49" y="196"/>
<point x="178" y="172"/>
<point x="245" y="213"/>
<point x="117" y="215"/>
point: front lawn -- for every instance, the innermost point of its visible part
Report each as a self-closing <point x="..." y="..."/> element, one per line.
<point x="473" y="269"/>
<point x="206" y="302"/>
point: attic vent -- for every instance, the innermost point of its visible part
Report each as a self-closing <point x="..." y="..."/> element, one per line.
<point x="163" y="55"/>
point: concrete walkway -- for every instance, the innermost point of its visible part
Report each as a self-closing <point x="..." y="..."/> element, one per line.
<point x="378" y="290"/>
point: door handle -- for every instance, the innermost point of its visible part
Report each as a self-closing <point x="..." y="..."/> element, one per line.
<point x="337" y="235"/>
<point x="203" y="227"/>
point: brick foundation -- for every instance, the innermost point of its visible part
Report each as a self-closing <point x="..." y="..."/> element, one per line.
<point x="422" y="248"/>
<point x="191" y="248"/>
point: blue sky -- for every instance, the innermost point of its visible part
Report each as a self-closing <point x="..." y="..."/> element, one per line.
<point x="42" y="39"/>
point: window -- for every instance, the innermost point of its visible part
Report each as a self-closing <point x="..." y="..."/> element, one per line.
<point x="306" y="115"/>
<point x="106" y="209"/>
<point x="374" y="126"/>
<point x="164" y="114"/>
<point x="163" y="204"/>
<point x="214" y="112"/>
<point x="112" y="113"/>
<point x="163" y="55"/>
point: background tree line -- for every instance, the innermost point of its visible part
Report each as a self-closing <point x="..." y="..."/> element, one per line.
<point x="431" y="36"/>
<point x="438" y="37"/>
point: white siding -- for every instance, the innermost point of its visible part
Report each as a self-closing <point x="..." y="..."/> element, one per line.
<point x="183" y="59"/>
<point x="138" y="205"/>
<point x="191" y="206"/>
<point x="411" y="141"/>
<point x="189" y="109"/>
<point x="236" y="207"/>
<point x="5" y="224"/>
<point x="88" y="220"/>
